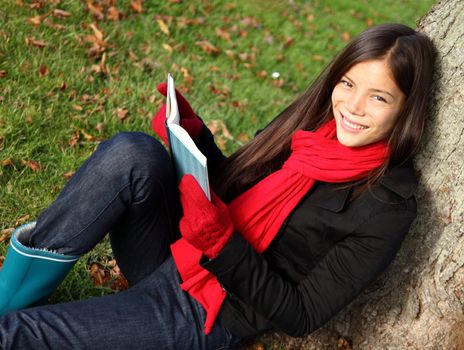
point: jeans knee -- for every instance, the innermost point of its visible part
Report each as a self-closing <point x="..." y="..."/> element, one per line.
<point x="135" y="151"/>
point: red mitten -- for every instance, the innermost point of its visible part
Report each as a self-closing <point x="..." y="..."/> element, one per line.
<point x="188" y="119"/>
<point x="205" y="225"/>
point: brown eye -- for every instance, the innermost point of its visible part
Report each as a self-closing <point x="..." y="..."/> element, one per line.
<point x="379" y="98"/>
<point x="346" y="83"/>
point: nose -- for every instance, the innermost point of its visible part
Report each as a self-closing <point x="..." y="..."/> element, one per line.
<point x="355" y="104"/>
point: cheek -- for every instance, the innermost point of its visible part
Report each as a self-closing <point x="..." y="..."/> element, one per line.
<point x="337" y="95"/>
<point x="386" y="123"/>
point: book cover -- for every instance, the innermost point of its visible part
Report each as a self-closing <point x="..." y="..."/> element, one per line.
<point x="186" y="156"/>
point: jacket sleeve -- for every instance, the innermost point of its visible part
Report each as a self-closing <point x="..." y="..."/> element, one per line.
<point x="346" y="270"/>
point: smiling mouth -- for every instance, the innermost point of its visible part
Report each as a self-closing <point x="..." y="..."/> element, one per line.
<point x="351" y="124"/>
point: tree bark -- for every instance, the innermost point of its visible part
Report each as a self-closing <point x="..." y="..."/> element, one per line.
<point x="418" y="303"/>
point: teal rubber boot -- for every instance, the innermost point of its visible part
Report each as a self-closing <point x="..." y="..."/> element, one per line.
<point x="29" y="275"/>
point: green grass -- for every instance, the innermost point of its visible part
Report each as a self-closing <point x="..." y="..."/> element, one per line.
<point x="41" y="113"/>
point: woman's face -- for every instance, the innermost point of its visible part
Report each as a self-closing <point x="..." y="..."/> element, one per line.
<point x="366" y="103"/>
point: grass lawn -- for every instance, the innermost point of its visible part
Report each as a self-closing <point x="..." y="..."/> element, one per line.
<point x="73" y="73"/>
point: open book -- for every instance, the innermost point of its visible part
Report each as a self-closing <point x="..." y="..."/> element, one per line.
<point x="186" y="156"/>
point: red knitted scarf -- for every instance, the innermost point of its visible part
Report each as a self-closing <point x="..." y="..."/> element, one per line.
<point x="259" y="212"/>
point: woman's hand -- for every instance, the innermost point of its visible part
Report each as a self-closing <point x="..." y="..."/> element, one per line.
<point x="189" y="120"/>
<point x="205" y="225"/>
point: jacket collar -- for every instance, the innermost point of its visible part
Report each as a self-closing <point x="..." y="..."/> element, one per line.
<point x="401" y="179"/>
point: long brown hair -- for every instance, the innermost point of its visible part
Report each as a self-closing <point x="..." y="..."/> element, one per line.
<point x="410" y="56"/>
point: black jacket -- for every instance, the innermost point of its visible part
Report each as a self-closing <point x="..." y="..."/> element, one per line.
<point x="327" y="251"/>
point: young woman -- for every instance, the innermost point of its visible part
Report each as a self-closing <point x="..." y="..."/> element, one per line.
<point x="312" y="211"/>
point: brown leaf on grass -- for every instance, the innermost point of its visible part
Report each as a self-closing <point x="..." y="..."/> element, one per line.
<point x="163" y="26"/>
<point x="31" y="164"/>
<point x="87" y="136"/>
<point x="243" y="137"/>
<point x="136" y="6"/>
<point x="43" y="70"/>
<point x="250" y="21"/>
<point x="97" y="32"/>
<point x="61" y="14"/>
<point x="317" y="58"/>
<point x="74" y="138"/>
<point x="119" y="282"/>
<point x="35" y="20"/>
<point x="6" y="234"/>
<point x="209" y="48"/>
<point x="7" y="162"/>
<point x="168" y="47"/>
<point x="68" y="175"/>
<point x="99" y="275"/>
<point x="218" y="127"/>
<point x="3" y="73"/>
<point x="218" y="91"/>
<point x="345" y="36"/>
<point x="278" y="82"/>
<point x="223" y="34"/>
<point x="36" y="43"/>
<point x="22" y="220"/>
<point x="288" y="42"/>
<point x="114" y="14"/>
<point x="262" y="74"/>
<point x="37" y="5"/>
<point x="121" y="113"/>
<point x="95" y="10"/>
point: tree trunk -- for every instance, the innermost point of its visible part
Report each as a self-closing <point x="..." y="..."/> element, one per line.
<point x="419" y="302"/>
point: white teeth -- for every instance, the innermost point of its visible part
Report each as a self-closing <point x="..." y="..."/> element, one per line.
<point x="352" y="125"/>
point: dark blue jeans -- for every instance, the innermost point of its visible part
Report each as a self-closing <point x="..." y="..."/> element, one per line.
<point x="128" y="189"/>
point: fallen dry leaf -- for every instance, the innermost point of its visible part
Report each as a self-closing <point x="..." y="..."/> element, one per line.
<point x="3" y="73"/>
<point x="7" y="162"/>
<point x="121" y="113"/>
<point x="163" y="26"/>
<point x="262" y="74"/>
<point x="61" y="14"/>
<point x="136" y="6"/>
<point x="95" y="10"/>
<point x="114" y="14"/>
<point x="345" y="36"/>
<point x="22" y="220"/>
<point x="250" y="21"/>
<point x="74" y="138"/>
<point x="97" y="31"/>
<point x="223" y="34"/>
<point x="98" y="275"/>
<point x="168" y="47"/>
<point x="35" y="20"/>
<point x="68" y="175"/>
<point x="31" y="164"/>
<point x="209" y="48"/>
<point x="36" y="5"/>
<point x="87" y="136"/>
<point x="43" y="70"/>
<point x="36" y="43"/>
<point x="6" y="234"/>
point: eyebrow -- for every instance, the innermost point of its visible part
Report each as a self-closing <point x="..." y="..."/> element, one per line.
<point x="374" y="90"/>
